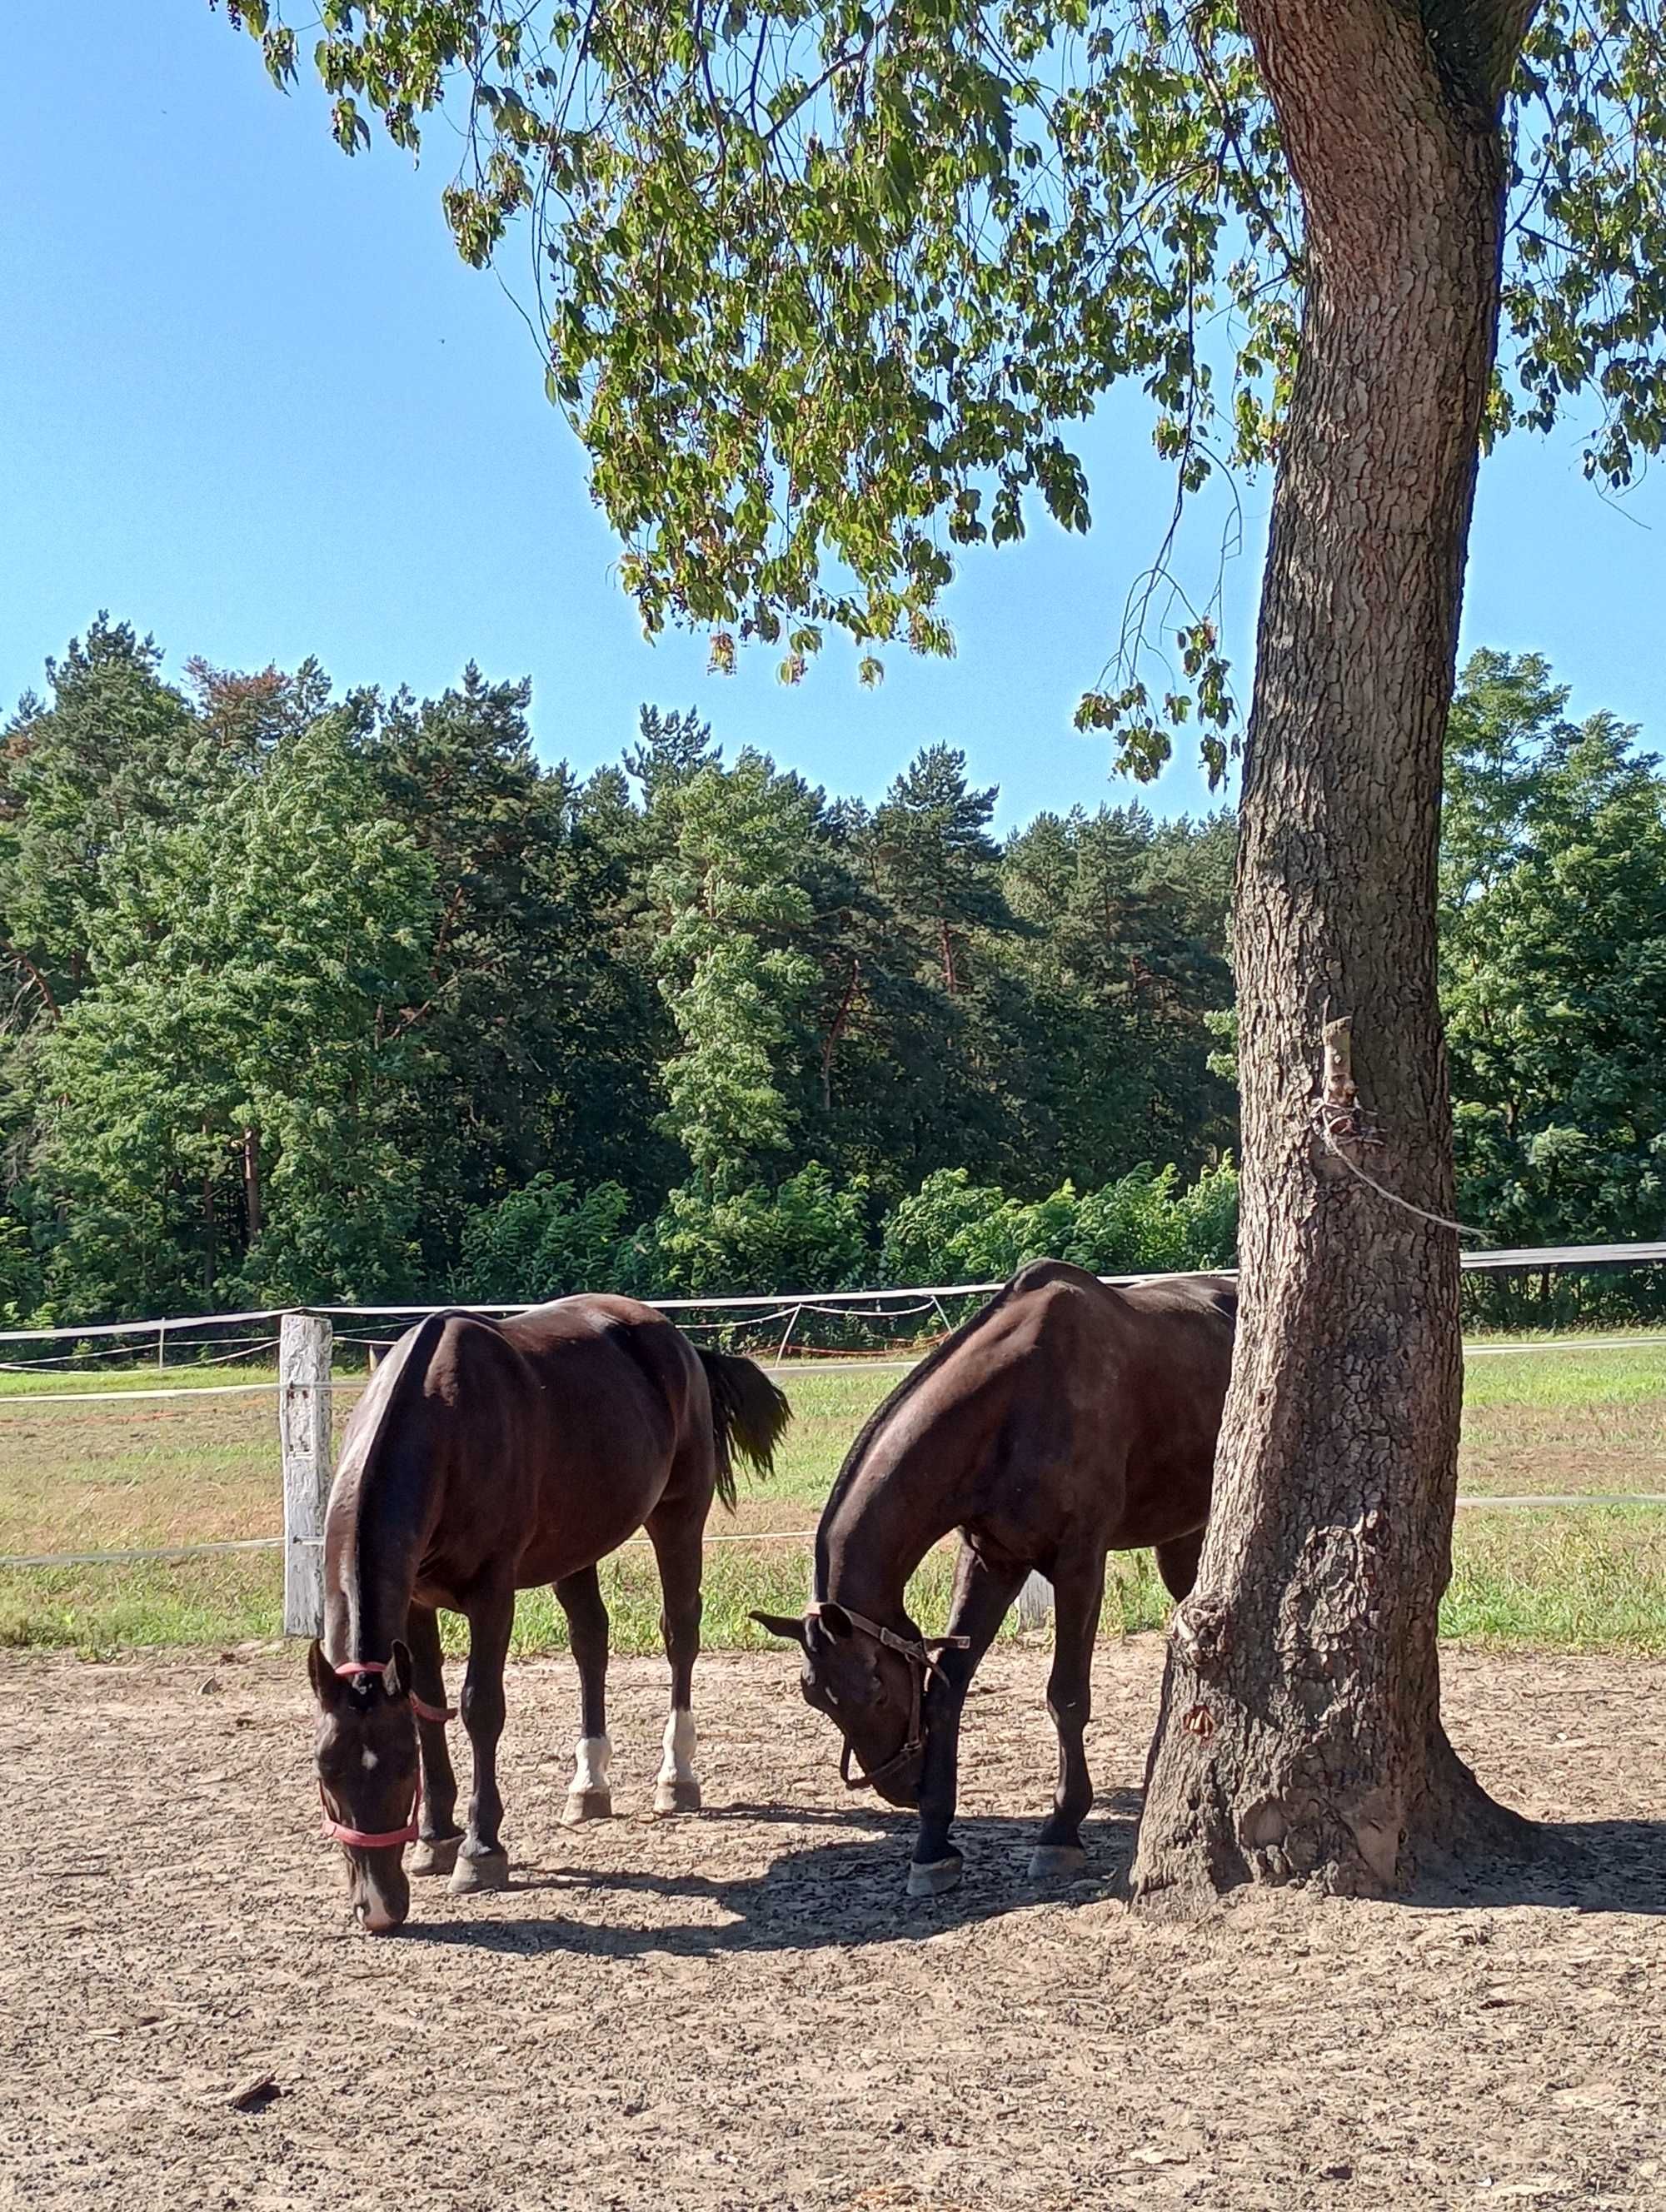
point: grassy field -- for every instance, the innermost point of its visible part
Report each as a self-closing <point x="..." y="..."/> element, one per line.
<point x="87" y="1477"/>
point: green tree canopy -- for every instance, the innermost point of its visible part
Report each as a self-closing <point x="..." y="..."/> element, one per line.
<point x="624" y="1016"/>
<point x="731" y="957"/>
<point x="824" y="287"/>
<point x="1553" y="960"/>
<point x="239" y="1048"/>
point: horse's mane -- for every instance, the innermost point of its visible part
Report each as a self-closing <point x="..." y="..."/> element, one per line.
<point x="408" y="1359"/>
<point x="844" y="1481"/>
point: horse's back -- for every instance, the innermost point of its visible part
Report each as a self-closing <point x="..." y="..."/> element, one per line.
<point x="1213" y="1296"/>
<point x="628" y="1380"/>
<point x="557" y="1428"/>
<point x="1166" y="1331"/>
<point x="1096" y="1393"/>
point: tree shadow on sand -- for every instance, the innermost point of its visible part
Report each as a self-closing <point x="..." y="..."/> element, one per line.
<point x="837" y="1894"/>
<point x="1576" y="1866"/>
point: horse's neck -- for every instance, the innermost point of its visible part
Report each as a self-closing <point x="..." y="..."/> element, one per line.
<point x="877" y="1536"/>
<point x="384" y="1519"/>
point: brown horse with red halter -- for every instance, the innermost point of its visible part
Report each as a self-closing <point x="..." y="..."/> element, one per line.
<point x="485" y="1457"/>
<point x="384" y="1840"/>
<point x="1066" y="1420"/>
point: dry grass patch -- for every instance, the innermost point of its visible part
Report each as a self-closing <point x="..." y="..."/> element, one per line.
<point x="87" y="1477"/>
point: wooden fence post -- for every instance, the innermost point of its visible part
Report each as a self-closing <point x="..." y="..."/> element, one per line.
<point x="305" y="1344"/>
<point x="1034" y="1601"/>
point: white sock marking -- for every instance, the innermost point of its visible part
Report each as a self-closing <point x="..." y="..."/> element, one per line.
<point x="591" y="1762"/>
<point x="678" y="1763"/>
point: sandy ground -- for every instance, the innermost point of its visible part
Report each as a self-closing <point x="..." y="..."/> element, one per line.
<point x="741" y="2011"/>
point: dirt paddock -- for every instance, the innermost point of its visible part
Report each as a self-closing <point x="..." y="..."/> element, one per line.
<point x="741" y="2011"/>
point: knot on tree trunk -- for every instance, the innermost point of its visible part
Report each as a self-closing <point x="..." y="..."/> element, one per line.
<point x="1201" y="1633"/>
<point x="1339" y="1119"/>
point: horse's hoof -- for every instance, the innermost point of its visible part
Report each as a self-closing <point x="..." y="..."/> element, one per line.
<point x="490" y="1870"/>
<point x="676" y="1794"/>
<point x="586" y="1805"/>
<point x="435" y="1855"/>
<point x="936" y="1876"/>
<point x="1056" y="1862"/>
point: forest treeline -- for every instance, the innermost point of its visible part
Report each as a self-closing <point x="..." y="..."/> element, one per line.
<point x="314" y="997"/>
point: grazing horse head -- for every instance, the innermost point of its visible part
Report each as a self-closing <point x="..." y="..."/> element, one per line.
<point x="870" y="1680"/>
<point x="368" y="1778"/>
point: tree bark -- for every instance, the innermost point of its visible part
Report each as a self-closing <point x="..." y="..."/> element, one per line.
<point x="836" y="1032"/>
<point x="1300" y="1734"/>
<point x="252" y="1183"/>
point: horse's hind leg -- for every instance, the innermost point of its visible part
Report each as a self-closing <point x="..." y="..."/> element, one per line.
<point x="677" y="1531"/>
<point x="1079" y="1589"/>
<point x="436" y="1845"/>
<point x="589" y="1797"/>
<point x="483" y="1862"/>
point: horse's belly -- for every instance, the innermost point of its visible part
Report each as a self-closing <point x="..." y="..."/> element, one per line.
<point x="555" y="1553"/>
<point x="572" y="1523"/>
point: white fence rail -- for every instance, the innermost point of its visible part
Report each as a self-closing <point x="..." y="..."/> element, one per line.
<point x="1534" y="1259"/>
<point x="306" y="1384"/>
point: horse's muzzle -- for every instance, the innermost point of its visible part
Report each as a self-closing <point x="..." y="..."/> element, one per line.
<point x="381" y="1894"/>
<point x="377" y="1918"/>
<point x="898" y="1781"/>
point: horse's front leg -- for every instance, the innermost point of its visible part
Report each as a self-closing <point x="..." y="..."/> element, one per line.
<point x="590" y="1796"/>
<point x="1078" y="1590"/>
<point x="483" y="1862"/>
<point x="982" y="1597"/>
<point x="677" y="1533"/>
<point x="436" y="1846"/>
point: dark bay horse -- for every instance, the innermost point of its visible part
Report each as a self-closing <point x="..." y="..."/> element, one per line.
<point x="1065" y="1420"/>
<point x="485" y="1457"/>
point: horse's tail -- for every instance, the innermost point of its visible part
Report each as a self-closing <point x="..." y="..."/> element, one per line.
<point x="748" y="1414"/>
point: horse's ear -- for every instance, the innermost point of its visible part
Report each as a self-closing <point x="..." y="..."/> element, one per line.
<point x="835" y="1619"/>
<point x="396" y="1676"/>
<point x="328" y="1686"/>
<point x="779" y="1624"/>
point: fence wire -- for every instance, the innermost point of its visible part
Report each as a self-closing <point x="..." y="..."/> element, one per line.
<point x="873" y="1308"/>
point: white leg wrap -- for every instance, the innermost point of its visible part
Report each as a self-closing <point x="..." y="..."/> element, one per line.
<point x="591" y="1761"/>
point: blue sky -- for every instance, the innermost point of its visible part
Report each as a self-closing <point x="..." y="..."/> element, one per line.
<point x="251" y="401"/>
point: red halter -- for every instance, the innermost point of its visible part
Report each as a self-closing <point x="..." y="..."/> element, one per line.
<point x="361" y="1839"/>
<point x="423" y="1713"/>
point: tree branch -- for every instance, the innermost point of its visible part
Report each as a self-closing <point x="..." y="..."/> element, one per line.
<point x="21" y="958"/>
<point x="1384" y="110"/>
<point x="1479" y="42"/>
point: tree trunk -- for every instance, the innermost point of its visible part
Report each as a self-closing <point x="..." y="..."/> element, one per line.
<point x="835" y="1030"/>
<point x="1300" y="1733"/>
<point x="252" y="1183"/>
<point x="208" y="1233"/>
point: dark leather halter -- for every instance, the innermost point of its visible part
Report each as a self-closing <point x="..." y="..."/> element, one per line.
<point x="918" y="1652"/>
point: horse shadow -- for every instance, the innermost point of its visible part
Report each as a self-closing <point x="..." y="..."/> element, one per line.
<point x="841" y="1892"/>
<point x="845" y="1890"/>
